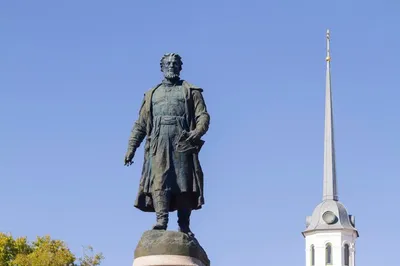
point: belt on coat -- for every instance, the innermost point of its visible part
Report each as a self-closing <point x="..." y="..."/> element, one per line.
<point x="170" y="120"/>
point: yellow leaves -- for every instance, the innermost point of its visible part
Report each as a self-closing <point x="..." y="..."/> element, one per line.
<point x="10" y="248"/>
<point x="42" y="252"/>
<point x="46" y="252"/>
<point x="22" y="245"/>
<point x="90" y="259"/>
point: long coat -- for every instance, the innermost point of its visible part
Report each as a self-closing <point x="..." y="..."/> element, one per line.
<point x="197" y="118"/>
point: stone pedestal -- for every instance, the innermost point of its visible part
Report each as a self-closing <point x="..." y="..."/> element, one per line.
<point x="169" y="248"/>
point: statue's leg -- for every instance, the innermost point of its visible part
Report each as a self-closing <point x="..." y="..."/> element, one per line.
<point x="184" y="221"/>
<point x="184" y="212"/>
<point x="161" y="200"/>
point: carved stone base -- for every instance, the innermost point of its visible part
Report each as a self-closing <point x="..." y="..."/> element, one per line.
<point x="162" y="248"/>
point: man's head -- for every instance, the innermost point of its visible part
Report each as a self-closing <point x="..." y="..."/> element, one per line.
<point x="171" y="65"/>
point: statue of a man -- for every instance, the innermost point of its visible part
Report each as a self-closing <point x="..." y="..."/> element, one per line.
<point x="173" y="117"/>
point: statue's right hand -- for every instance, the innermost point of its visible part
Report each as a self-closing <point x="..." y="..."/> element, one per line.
<point x="129" y="158"/>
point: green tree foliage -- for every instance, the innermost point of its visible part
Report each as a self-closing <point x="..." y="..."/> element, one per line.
<point x="42" y="252"/>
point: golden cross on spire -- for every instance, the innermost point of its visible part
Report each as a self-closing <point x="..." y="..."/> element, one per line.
<point x="328" y="37"/>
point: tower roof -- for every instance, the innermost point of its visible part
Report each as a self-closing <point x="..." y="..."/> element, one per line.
<point x="330" y="214"/>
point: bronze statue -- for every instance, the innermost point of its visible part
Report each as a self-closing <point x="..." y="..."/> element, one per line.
<point x="173" y="118"/>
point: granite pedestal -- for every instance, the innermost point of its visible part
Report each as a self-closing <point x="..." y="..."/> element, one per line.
<point x="169" y="248"/>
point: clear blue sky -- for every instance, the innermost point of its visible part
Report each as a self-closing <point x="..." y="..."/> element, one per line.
<point x="72" y="77"/>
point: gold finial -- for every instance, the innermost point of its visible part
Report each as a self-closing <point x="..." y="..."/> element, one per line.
<point x="328" y="37"/>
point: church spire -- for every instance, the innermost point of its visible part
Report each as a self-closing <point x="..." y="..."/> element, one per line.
<point x="329" y="190"/>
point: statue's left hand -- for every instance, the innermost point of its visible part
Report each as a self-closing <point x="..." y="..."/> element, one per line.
<point x="193" y="135"/>
<point x="128" y="160"/>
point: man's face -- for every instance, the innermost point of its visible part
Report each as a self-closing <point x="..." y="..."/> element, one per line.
<point x="171" y="67"/>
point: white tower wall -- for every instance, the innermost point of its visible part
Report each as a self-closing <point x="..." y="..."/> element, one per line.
<point x="338" y="240"/>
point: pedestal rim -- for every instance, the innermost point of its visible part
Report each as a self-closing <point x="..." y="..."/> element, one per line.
<point x="167" y="260"/>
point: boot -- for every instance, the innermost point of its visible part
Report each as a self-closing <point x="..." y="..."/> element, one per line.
<point x="161" y="207"/>
<point x="184" y="221"/>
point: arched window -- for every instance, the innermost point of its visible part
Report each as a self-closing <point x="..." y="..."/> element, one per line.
<point x="328" y="254"/>
<point x="346" y="253"/>
<point x="312" y="253"/>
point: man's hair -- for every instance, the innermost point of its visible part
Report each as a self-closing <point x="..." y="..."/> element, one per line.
<point x="177" y="57"/>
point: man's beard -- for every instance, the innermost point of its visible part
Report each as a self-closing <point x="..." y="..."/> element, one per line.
<point x="171" y="75"/>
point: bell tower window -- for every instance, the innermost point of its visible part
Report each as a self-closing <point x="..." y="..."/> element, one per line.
<point x="312" y="253"/>
<point x="328" y="254"/>
<point x="346" y="253"/>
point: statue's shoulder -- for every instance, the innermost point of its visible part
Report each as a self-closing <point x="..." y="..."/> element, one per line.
<point x="150" y="91"/>
<point x="191" y="86"/>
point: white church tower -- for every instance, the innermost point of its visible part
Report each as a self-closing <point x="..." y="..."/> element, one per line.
<point x="330" y="232"/>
